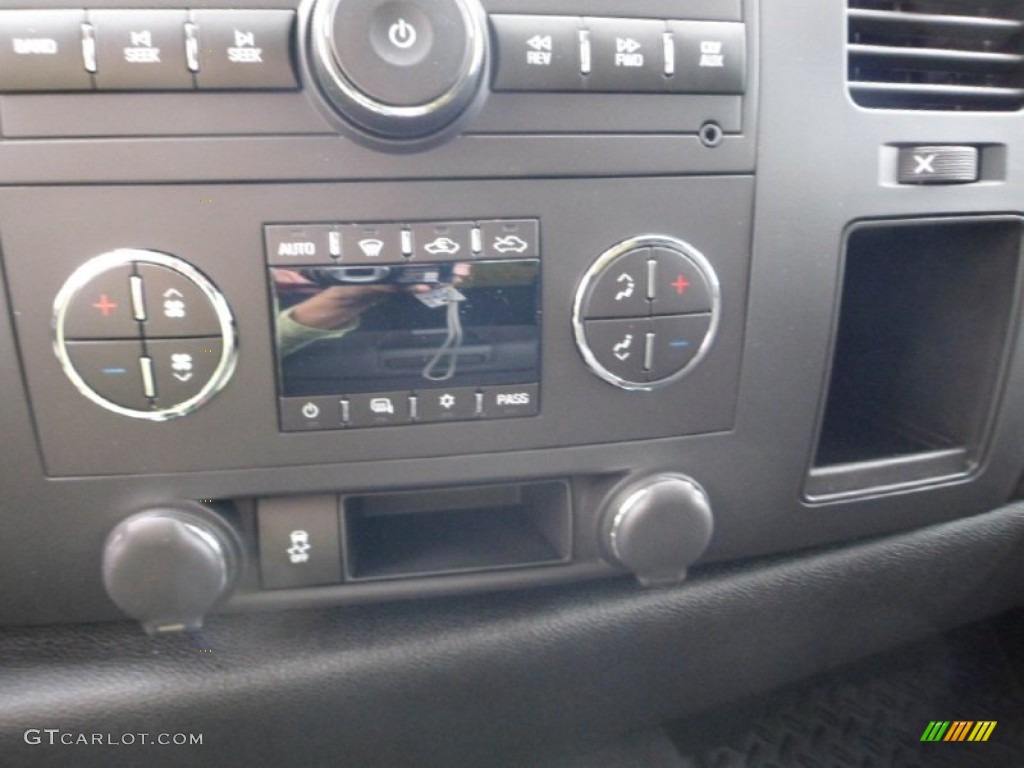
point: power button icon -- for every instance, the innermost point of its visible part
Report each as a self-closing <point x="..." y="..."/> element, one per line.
<point x="402" y="34"/>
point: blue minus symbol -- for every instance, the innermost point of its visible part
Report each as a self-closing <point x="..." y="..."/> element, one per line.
<point x="679" y="343"/>
<point x="115" y="371"/>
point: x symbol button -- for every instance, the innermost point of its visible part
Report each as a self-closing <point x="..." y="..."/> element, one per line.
<point x="924" y="164"/>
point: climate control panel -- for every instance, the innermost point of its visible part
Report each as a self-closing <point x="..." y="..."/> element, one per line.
<point x="144" y="334"/>
<point x="646" y="312"/>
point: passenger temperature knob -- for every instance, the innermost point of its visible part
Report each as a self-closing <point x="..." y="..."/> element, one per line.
<point x="168" y="566"/>
<point x="656" y="526"/>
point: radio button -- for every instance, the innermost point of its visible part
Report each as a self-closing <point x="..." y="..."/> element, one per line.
<point x="510" y="401"/>
<point x="372" y="244"/>
<point x="245" y="49"/>
<point x="621" y="289"/>
<point x="304" y="414"/>
<point x="454" y="404"/>
<point x="182" y="367"/>
<point x="537" y="53"/>
<point x="42" y="51"/>
<point x="174" y="305"/>
<point x="679" y="286"/>
<point x="141" y="50"/>
<point x="627" y="55"/>
<point x="619" y="347"/>
<point x="112" y="370"/>
<point x="510" y="239"/>
<point x="442" y="242"/>
<point x="378" y="409"/>
<point x="102" y="308"/>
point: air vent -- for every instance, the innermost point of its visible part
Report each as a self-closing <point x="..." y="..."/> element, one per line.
<point x="937" y="54"/>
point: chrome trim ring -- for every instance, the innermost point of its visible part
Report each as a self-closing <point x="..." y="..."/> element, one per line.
<point x="129" y="256"/>
<point x="603" y="262"/>
<point x="387" y="120"/>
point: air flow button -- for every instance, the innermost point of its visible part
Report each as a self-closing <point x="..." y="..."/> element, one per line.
<point x="174" y="305"/>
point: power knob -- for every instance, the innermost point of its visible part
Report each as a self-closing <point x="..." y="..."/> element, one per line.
<point x="657" y="526"/>
<point x="168" y="566"/>
<point x="399" y="69"/>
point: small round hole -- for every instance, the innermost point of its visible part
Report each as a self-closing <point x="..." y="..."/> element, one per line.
<point x="711" y="134"/>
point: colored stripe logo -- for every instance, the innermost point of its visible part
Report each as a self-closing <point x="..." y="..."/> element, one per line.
<point x="958" y="730"/>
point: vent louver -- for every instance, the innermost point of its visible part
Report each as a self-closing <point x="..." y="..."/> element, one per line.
<point x="937" y="54"/>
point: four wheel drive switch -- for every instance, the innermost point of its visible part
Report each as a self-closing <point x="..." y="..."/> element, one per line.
<point x="299" y="541"/>
<point x="938" y="164"/>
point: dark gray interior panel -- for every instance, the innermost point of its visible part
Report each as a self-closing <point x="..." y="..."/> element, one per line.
<point x="220" y="231"/>
<point x="508" y="678"/>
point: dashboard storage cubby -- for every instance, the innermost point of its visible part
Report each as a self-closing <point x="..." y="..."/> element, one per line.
<point x="415" y="533"/>
<point x="925" y="315"/>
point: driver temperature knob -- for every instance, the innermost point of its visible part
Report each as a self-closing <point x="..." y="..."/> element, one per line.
<point x="656" y="526"/>
<point x="168" y="566"/>
<point x="399" y="69"/>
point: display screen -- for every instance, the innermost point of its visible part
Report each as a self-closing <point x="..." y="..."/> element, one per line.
<point x="414" y="326"/>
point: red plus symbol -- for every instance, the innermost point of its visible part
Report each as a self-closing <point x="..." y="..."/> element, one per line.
<point x="681" y="284"/>
<point x="105" y="305"/>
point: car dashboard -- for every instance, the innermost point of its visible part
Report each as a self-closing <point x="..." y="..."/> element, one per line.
<point x="498" y="349"/>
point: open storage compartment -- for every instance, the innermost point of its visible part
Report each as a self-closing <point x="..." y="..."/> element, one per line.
<point x="925" y="319"/>
<point x="417" y="533"/>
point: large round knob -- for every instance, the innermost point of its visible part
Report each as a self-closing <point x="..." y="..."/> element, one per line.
<point x="399" y="69"/>
<point x="168" y="566"/>
<point x="657" y="526"/>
